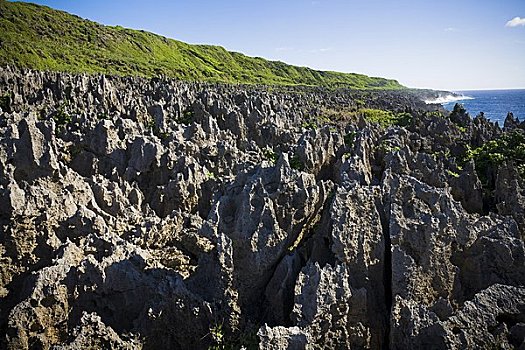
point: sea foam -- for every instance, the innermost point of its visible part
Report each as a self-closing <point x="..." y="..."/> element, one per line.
<point x="448" y="99"/>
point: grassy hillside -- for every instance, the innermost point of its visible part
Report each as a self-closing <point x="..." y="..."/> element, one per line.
<point x="39" y="37"/>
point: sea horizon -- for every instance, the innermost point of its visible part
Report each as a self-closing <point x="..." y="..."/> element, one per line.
<point x="495" y="104"/>
<point x="496" y="89"/>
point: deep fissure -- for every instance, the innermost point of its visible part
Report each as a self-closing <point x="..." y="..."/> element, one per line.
<point x="387" y="272"/>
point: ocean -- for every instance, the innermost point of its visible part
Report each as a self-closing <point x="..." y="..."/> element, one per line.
<point x="494" y="103"/>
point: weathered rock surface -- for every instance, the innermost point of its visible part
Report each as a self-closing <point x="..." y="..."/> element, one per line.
<point x="159" y="214"/>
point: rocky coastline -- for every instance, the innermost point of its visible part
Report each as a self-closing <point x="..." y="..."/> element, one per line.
<point x="159" y="214"/>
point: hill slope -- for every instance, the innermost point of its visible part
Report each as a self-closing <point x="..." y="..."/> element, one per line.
<point x="42" y="38"/>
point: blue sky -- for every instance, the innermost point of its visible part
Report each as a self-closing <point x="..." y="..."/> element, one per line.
<point x="440" y="44"/>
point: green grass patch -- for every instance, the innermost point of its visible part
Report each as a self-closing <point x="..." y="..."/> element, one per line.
<point x="386" y="118"/>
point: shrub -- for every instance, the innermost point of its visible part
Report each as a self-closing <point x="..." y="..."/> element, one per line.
<point x="5" y="103"/>
<point x="217" y="335"/>
<point x="245" y="340"/>
<point x="508" y="147"/>
<point x="296" y="163"/>
<point x="186" y="117"/>
<point x="386" y="118"/>
<point x="403" y="119"/>
<point x="61" y="117"/>
<point x="271" y="156"/>
<point x="311" y="125"/>
<point x="350" y="138"/>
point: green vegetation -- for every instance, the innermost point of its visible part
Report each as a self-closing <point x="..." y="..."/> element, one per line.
<point x="74" y="150"/>
<point x="246" y="341"/>
<point x="296" y="163"/>
<point x="102" y="115"/>
<point x="61" y="117"/>
<point x="271" y="156"/>
<point x="508" y="147"/>
<point x="386" y="118"/>
<point x="186" y="118"/>
<point x="41" y="38"/>
<point x="350" y="138"/>
<point x="360" y="103"/>
<point x="337" y="116"/>
<point x="461" y="129"/>
<point x="386" y="147"/>
<point x="437" y="114"/>
<point x="149" y="123"/>
<point x="5" y="103"/>
<point x="217" y="335"/>
<point x="314" y="122"/>
<point x="310" y="125"/>
<point x="452" y="174"/>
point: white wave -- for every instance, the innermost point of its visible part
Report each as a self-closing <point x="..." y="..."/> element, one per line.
<point x="448" y="99"/>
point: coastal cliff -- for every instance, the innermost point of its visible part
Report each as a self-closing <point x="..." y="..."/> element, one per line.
<point x="158" y="214"/>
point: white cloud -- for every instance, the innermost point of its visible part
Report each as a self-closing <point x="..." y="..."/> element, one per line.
<point x="451" y="29"/>
<point x="282" y="49"/>
<point x="515" y="22"/>
<point x="322" y="49"/>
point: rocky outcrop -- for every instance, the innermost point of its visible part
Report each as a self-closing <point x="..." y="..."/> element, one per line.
<point x="167" y="215"/>
<point x="442" y="257"/>
<point x="510" y="195"/>
<point x="511" y="122"/>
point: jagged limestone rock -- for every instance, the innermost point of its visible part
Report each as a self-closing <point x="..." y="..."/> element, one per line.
<point x="441" y="257"/>
<point x="161" y="214"/>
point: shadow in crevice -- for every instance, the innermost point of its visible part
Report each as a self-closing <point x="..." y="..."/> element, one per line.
<point x="384" y="217"/>
<point x="151" y="303"/>
<point x="315" y="247"/>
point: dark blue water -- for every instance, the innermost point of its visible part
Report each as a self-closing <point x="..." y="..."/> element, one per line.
<point x="494" y="103"/>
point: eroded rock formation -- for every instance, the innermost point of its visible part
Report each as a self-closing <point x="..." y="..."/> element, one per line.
<point x="165" y="215"/>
